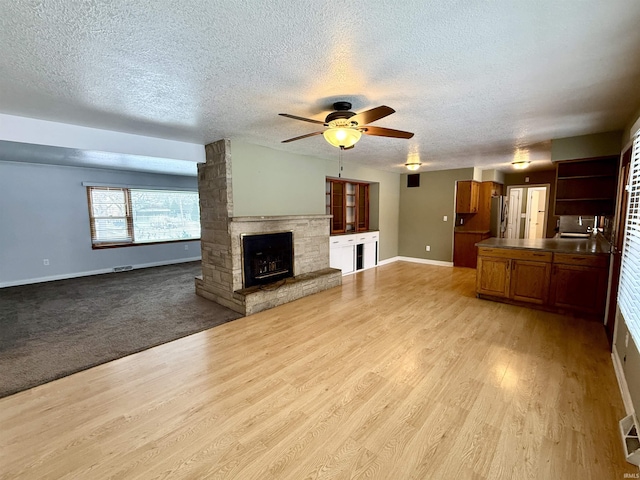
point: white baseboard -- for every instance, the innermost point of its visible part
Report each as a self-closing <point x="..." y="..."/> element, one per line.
<point x="622" y="382"/>
<point x="65" y="276"/>
<point x="417" y="260"/>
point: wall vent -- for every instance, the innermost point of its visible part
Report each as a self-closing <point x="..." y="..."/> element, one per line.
<point x="122" y="269"/>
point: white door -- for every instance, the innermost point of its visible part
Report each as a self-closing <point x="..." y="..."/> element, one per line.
<point x="369" y="254"/>
<point x="536" y="213"/>
<point x="513" y="216"/>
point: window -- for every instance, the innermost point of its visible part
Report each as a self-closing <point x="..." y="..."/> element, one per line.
<point x="629" y="290"/>
<point x="128" y="216"/>
<point x="348" y="202"/>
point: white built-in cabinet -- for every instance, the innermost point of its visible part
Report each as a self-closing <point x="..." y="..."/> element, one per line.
<point x="357" y="251"/>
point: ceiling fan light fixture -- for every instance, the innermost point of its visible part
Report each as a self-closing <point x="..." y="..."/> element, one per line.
<point x="344" y="137"/>
<point x="520" y="165"/>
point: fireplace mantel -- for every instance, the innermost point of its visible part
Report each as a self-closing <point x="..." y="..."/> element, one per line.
<point x="276" y="218"/>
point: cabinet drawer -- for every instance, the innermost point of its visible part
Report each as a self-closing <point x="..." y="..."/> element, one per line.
<point x="537" y="256"/>
<point x="586" y="260"/>
<point x="341" y="240"/>
<point x="367" y="237"/>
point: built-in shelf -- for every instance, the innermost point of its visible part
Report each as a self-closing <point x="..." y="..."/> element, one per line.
<point x="586" y="187"/>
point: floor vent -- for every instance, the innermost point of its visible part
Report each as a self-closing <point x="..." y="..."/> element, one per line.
<point x="122" y="269"/>
<point x="630" y="439"/>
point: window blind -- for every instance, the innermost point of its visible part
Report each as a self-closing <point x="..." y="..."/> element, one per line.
<point x="629" y="288"/>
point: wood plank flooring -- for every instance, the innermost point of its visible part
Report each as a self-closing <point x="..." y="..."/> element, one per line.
<point x="401" y="373"/>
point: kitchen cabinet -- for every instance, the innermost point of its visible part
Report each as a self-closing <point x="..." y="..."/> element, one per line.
<point x="350" y="253"/>
<point x="526" y="275"/>
<point x="465" y="252"/>
<point x="530" y="281"/>
<point x="579" y="282"/>
<point x="552" y="280"/>
<point x="586" y="187"/>
<point x="493" y="276"/>
<point x="467" y="196"/>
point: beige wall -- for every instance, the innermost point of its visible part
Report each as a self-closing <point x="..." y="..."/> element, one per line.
<point x="421" y="211"/>
<point x="272" y="182"/>
<point x="586" y="146"/>
<point x="629" y="357"/>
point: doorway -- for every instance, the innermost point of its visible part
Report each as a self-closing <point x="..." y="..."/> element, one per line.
<point x="513" y="213"/>
<point x="527" y="211"/>
<point x="536" y="213"/>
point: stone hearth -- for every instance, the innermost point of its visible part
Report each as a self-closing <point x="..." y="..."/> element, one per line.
<point x="221" y="279"/>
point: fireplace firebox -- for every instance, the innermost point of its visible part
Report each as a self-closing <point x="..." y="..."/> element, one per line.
<point x="266" y="257"/>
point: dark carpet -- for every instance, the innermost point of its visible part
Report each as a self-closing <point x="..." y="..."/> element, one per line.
<point x="50" y="330"/>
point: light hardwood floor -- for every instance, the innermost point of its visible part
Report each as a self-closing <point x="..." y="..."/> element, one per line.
<point x="401" y="373"/>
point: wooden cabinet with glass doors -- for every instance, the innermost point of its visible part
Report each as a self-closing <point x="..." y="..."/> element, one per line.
<point x="348" y="202"/>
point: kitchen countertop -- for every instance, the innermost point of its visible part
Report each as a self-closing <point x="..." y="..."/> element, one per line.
<point x="475" y="232"/>
<point x="593" y="245"/>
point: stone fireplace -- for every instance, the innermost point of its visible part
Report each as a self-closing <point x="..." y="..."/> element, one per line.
<point x="222" y="240"/>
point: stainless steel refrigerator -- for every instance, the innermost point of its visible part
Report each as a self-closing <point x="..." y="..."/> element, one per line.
<point x="499" y="208"/>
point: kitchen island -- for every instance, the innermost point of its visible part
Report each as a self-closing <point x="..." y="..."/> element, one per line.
<point x="559" y="274"/>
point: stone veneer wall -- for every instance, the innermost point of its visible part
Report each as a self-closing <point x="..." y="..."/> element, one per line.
<point x="221" y="279"/>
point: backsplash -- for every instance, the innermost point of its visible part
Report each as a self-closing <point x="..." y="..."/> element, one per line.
<point x="585" y="224"/>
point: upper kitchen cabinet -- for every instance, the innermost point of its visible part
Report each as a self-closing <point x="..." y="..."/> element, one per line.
<point x="348" y="202"/>
<point x="587" y="187"/>
<point x="467" y="196"/>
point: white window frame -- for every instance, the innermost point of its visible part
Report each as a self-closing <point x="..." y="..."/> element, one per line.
<point x="629" y="286"/>
<point x="130" y="238"/>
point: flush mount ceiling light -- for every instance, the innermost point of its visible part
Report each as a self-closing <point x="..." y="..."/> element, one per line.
<point x="412" y="165"/>
<point x="342" y="137"/>
<point x="521" y="165"/>
<point x="413" y="159"/>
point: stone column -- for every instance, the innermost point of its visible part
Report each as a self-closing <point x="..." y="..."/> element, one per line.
<point x="216" y="209"/>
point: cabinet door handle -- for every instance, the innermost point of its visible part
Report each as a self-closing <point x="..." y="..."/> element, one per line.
<point x="582" y="259"/>
<point x="350" y="240"/>
<point x="538" y="254"/>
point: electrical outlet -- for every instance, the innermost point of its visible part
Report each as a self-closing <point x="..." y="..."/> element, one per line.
<point x="186" y="247"/>
<point x="444" y="219"/>
<point x="45" y="261"/>
<point x="428" y="247"/>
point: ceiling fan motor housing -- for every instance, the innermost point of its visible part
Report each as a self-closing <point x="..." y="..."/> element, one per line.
<point x="341" y="112"/>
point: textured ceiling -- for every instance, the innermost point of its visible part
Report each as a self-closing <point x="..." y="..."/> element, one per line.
<point x="474" y="80"/>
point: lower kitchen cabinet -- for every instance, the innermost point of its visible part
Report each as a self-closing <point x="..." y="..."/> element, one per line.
<point x="530" y="281"/>
<point x="519" y="275"/>
<point x="579" y="282"/>
<point x="493" y="276"/>
<point x="558" y="281"/>
<point x="353" y="252"/>
<point x="465" y="252"/>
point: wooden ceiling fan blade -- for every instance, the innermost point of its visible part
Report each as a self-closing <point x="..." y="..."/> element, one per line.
<point x="301" y="137"/>
<point x="372" y="115"/>
<point x="385" y="132"/>
<point x="295" y="117"/>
